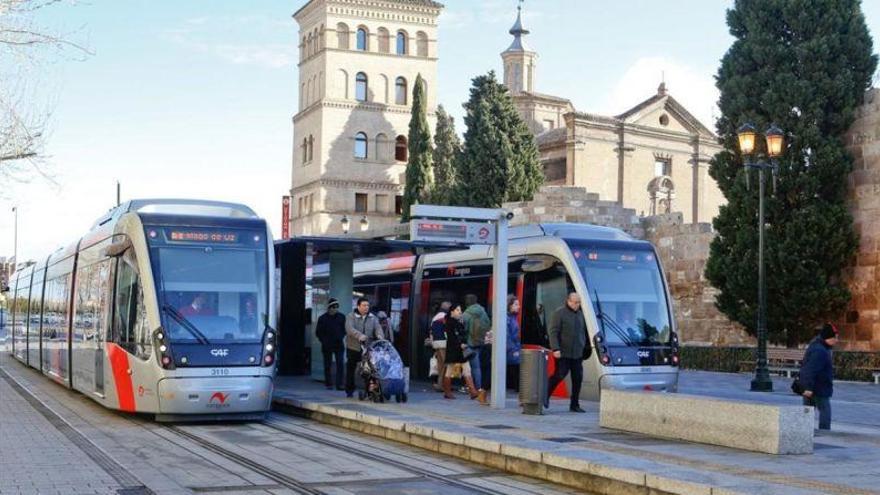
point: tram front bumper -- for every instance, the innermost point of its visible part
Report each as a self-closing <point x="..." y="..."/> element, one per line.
<point x="212" y="395"/>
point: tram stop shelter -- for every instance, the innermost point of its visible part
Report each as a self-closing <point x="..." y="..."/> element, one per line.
<point x="294" y="260"/>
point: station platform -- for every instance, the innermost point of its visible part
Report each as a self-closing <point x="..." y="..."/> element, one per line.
<point x="573" y="450"/>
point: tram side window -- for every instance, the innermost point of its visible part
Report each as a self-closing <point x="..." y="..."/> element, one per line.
<point x="55" y="308"/>
<point x="543" y="293"/>
<point x="91" y="297"/>
<point x="19" y="317"/>
<point x="130" y="329"/>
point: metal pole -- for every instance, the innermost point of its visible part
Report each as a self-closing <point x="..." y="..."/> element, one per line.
<point x="118" y="193"/>
<point x="499" y="316"/>
<point x="761" y="382"/>
<point x="15" y="239"/>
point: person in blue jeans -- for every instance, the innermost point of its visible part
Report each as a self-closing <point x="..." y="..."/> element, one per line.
<point x="817" y="374"/>
<point x="514" y="345"/>
<point x="477" y="324"/>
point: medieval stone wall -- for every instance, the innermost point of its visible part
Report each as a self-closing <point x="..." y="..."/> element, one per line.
<point x="861" y="327"/>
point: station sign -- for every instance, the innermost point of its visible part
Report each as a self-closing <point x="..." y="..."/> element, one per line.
<point x="451" y="231"/>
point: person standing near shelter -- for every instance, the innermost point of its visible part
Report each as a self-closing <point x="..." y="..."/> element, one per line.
<point x="330" y="330"/>
<point x="477" y="324"/>
<point x="456" y="345"/>
<point x="817" y="374"/>
<point x="438" y="341"/>
<point x="514" y="345"/>
<point x="568" y="339"/>
<point x="360" y="326"/>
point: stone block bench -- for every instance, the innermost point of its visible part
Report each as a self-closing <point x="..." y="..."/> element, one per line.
<point x="742" y="425"/>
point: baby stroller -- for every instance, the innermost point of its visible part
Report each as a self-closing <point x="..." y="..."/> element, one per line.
<point x="382" y="371"/>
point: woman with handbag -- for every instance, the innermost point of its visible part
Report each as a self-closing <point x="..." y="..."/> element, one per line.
<point x="438" y="342"/>
<point x="457" y="353"/>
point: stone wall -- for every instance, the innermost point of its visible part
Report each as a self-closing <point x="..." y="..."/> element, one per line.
<point x="861" y="327"/>
<point x="683" y="249"/>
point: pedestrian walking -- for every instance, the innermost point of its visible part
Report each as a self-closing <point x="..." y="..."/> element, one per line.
<point x="360" y="327"/>
<point x="438" y="341"/>
<point x="457" y="364"/>
<point x="568" y="340"/>
<point x="330" y="331"/>
<point x="477" y="324"/>
<point x="514" y="345"/>
<point x="816" y="375"/>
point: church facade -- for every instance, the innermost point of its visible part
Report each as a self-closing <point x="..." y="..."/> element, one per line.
<point x="358" y="62"/>
<point x="652" y="158"/>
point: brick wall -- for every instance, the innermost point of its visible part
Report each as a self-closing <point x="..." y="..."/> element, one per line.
<point x="861" y="328"/>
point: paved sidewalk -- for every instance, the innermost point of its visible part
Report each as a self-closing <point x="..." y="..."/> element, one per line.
<point x="846" y="460"/>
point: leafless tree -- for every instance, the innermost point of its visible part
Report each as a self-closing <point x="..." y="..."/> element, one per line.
<point x="25" y="110"/>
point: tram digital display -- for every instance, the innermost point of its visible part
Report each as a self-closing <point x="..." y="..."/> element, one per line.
<point x="202" y="236"/>
<point x="435" y="229"/>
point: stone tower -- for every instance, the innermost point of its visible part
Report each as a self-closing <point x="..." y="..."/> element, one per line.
<point x="358" y="62"/>
<point x="519" y="61"/>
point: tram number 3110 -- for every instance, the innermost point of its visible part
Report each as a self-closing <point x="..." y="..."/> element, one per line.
<point x="219" y="371"/>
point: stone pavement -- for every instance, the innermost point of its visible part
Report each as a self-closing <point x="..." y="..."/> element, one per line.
<point x="572" y="449"/>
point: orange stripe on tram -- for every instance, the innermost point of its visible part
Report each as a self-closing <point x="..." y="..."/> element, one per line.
<point x="124" y="389"/>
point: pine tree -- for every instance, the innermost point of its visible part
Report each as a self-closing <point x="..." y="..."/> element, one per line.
<point x="803" y="65"/>
<point x="419" y="169"/>
<point x="500" y="161"/>
<point x="447" y="151"/>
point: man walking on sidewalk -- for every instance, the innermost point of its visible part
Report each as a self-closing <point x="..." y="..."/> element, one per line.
<point x="361" y="326"/>
<point x="330" y="330"/>
<point x="568" y="338"/>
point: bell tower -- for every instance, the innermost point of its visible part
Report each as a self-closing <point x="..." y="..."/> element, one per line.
<point x="519" y="61"/>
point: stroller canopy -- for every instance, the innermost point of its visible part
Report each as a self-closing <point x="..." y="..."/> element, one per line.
<point x="385" y="360"/>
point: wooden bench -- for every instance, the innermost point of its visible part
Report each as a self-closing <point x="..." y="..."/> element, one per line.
<point x="782" y="361"/>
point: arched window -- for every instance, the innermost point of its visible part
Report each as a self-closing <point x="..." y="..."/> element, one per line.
<point x="400" y="91"/>
<point x="309" y="46"/>
<point x="421" y="44"/>
<point x="384" y="40"/>
<point x="400" y="151"/>
<point x="381" y="147"/>
<point x="342" y="36"/>
<point x="311" y="147"/>
<point x="360" y="87"/>
<point x="362" y="39"/>
<point x="360" y="146"/>
<point x="342" y="83"/>
<point x="305" y="150"/>
<point x="401" y="43"/>
<point x="302" y="49"/>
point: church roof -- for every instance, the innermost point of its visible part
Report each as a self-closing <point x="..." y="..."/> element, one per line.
<point x="518" y="31"/>
<point x="541" y="96"/>
<point x="553" y="136"/>
<point x="672" y="104"/>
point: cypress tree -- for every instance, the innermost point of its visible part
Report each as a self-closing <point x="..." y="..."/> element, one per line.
<point x="419" y="169"/>
<point x="447" y="151"/>
<point x="803" y="65"/>
<point x="500" y="161"/>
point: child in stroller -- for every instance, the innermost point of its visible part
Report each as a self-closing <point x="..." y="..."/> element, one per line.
<point x="382" y="371"/>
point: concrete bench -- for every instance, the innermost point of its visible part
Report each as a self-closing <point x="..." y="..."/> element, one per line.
<point x="742" y="425"/>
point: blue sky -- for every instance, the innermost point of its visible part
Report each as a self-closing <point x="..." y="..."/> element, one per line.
<point x="195" y="98"/>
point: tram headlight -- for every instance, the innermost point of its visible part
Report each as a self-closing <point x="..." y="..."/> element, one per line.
<point x="166" y="360"/>
<point x="163" y="348"/>
<point x="675" y="359"/>
<point x="270" y="335"/>
<point x="269" y="347"/>
<point x="268" y="359"/>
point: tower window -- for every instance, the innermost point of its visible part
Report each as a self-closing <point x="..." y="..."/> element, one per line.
<point x="401" y="43"/>
<point x="400" y="91"/>
<point x="662" y="166"/>
<point x="360" y="146"/>
<point x="384" y="40"/>
<point x="342" y="36"/>
<point x="398" y="205"/>
<point x="360" y="87"/>
<point x="400" y="151"/>
<point x="362" y="39"/>
<point x="421" y="44"/>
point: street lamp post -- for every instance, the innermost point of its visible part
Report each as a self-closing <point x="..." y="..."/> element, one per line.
<point x="775" y="140"/>
<point x="346" y="224"/>
<point x="15" y="238"/>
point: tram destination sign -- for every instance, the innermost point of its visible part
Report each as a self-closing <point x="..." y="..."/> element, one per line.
<point x="451" y="231"/>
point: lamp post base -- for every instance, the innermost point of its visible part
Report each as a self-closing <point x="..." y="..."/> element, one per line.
<point x="762" y="384"/>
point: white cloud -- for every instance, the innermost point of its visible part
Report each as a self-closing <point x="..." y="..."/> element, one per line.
<point x="199" y="32"/>
<point x="692" y="87"/>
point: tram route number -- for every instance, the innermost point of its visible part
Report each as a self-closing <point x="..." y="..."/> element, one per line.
<point x="219" y="371"/>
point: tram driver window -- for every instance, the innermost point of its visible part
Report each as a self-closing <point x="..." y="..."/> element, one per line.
<point x="130" y="329"/>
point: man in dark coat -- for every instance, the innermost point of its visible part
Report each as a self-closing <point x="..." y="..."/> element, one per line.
<point x="330" y="330"/>
<point x="568" y="338"/>
<point x="817" y="374"/>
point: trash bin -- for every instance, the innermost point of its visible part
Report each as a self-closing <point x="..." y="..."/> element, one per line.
<point x="533" y="380"/>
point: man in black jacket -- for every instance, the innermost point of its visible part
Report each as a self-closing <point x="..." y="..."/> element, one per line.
<point x="817" y="374"/>
<point x="568" y="338"/>
<point x="330" y="330"/>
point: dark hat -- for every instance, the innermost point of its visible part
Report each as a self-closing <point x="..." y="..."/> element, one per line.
<point x="333" y="302"/>
<point x="829" y="331"/>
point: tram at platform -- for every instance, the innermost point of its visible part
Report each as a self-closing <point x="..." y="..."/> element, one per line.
<point x="163" y="307"/>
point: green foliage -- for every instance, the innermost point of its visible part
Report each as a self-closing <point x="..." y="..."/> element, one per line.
<point x="447" y="152"/>
<point x="419" y="169"/>
<point x="500" y="161"/>
<point x="805" y="66"/>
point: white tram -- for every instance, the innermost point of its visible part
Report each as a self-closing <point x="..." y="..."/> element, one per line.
<point x="164" y="307"/>
<point x="629" y="318"/>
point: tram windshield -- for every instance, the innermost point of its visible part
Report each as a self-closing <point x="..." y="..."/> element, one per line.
<point x="627" y="293"/>
<point x="212" y="287"/>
